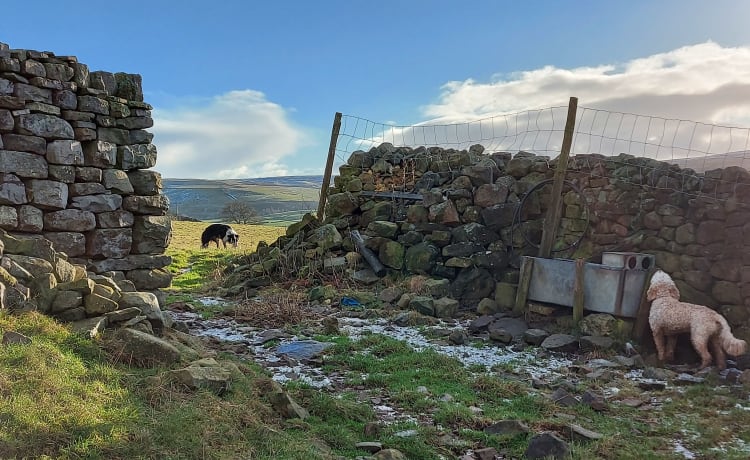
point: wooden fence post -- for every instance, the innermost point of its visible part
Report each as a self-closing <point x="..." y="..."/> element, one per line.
<point x="522" y="294"/>
<point x="578" y="291"/>
<point x="329" y="166"/>
<point x="552" y="219"/>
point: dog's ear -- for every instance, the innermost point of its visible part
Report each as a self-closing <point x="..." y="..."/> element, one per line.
<point x="652" y="293"/>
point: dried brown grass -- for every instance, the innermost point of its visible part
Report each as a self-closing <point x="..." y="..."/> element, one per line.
<point x="276" y="308"/>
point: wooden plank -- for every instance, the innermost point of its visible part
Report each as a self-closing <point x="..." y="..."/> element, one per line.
<point x="552" y="219"/>
<point x="524" y="280"/>
<point x="329" y="166"/>
<point x="641" y="329"/>
<point x="578" y="291"/>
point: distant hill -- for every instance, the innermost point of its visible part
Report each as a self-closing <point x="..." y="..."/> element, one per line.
<point x="714" y="161"/>
<point x="278" y="200"/>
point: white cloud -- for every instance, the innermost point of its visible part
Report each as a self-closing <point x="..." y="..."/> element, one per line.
<point x="690" y="103"/>
<point x="704" y="82"/>
<point x="239" y="134"/>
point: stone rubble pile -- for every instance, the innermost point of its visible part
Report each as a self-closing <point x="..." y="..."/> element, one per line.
<point x="462" y="219"/>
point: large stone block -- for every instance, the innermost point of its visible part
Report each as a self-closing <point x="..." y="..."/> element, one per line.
<point x="115" y="135"/>
<point x="146" y="182"/>
<point x="71" y="243"/>
<point x="139" y="156"/>
<point x="12" y="190"/>
<point x="104" y="243"/>
<point x="65" y="152"/>
<point x="93" y="104"/>
<point x="23" y="164"/>
<point x="30" y="219"/>
<point x="156" y="205"/>
<point x="47" y="194"/>
<point x="97" y="203"/>
<point x="151" y="234"/>
<point x="117" y="181"/>
<point x="21" y="143"/>
<point x="8" y="217"/>
<point x="70" y="220"/>
<point x="47" y="126"/>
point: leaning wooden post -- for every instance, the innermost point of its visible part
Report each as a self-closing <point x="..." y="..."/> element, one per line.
<point x="329" y="166"/>
<point x="552" y="220"/>
<point x="578" y="290"/>
<point x="522" y="294"/>
<point x="641" y="329"/>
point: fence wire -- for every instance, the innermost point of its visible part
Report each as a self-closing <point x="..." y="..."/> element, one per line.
<point x="701" y="152"/>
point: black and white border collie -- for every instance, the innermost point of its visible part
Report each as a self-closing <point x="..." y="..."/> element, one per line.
<point x="219" y="232"/>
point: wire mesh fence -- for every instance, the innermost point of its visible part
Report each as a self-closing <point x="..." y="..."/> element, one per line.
<point x="711" y="160"/>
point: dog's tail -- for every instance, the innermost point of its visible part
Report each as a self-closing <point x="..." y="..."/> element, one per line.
<point x="729" y="342"/>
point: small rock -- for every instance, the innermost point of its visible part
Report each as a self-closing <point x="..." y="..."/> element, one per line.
<point x="594" y="401"/>
<point x="649" y="384"/>
<point x="488" y="453"/>
<point x="446" y="398"/>
<point x="579" y="433"/>
<point x="560" y="343"/>
<point x="632" y="402"/>
<point x="458" y="337"/>
<point x="14" y="338"/>
<point x="369" y="446"/>
<point x="546" y="445"/>
<point x="501" y="335"/>
<point x="389" y="454"/>
<point x="656" y="373"/>
<point x="480" y="323"/>
<point x="366" y="276"/>
<point x="599" y="363"/>
<point x="687" y="379"/>
<point x="563" y="398"/>
<point x="535" y="336"/>
<point x="604" y="375"/>
<point x="594" y="342"/>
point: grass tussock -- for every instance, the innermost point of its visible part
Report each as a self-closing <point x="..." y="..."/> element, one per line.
<point x="275" y="309"/>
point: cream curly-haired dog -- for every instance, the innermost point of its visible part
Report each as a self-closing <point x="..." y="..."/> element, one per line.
<point x="670" y="317"/>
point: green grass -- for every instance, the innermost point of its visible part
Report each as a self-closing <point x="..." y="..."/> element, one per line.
<point x="63" y="397"/>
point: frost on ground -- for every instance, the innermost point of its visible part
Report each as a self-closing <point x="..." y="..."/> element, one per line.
<point x="468" y="355"/>
<point x="285" y="368"/>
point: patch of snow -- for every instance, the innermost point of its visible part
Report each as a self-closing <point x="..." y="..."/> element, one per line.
<point x="468" y="355"/>
<point x="682" y="450"/>
<point x="212" y="301"/>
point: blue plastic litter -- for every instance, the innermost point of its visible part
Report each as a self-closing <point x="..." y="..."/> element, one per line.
<point x="350" y="302"/>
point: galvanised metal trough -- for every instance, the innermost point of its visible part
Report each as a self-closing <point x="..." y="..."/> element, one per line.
<point x="615" y="286"/>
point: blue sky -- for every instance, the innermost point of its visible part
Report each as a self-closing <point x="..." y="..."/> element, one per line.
<point x="245" y="88"/>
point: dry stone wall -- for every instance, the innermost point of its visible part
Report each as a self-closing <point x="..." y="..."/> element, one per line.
<point x="466" y="231"/>
<point x="75" y="155"/>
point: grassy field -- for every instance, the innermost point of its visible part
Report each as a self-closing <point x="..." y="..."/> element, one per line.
<point x="186" y="236"/>
<point x="194" y="268"/>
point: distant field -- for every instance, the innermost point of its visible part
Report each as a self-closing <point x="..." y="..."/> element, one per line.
<point x="282" y="200"/>
<point x="186" y="236"/>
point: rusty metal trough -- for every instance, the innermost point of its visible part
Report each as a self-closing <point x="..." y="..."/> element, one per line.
<point x="615" y="286"/>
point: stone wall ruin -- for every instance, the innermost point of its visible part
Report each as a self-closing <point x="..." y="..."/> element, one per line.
<point x="465" y="233"/>
<point x="75" y="155"/>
